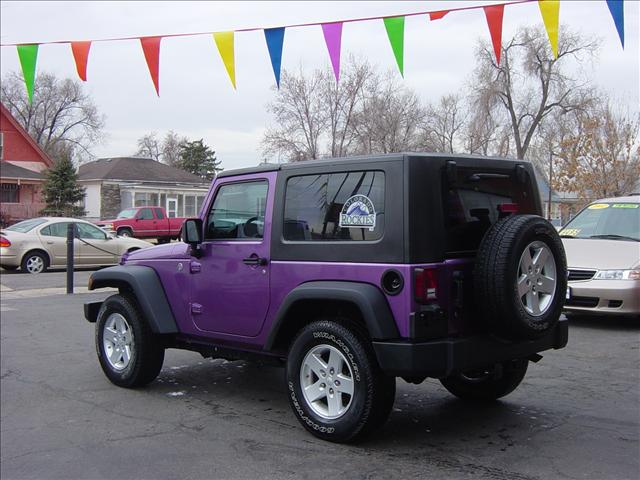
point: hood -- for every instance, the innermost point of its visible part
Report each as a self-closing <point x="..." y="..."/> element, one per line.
<point x="170" y="250"/>
<point x="601" y="254"/>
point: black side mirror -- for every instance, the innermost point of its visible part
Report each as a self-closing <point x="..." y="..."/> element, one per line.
<point x="192" y="234"/>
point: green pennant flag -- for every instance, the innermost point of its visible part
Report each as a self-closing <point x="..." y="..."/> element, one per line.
<point x="28" y="55"/>
<point x="395" y="32"/>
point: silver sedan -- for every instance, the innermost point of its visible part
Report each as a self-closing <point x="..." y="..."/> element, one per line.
<point x="39" y="243"/>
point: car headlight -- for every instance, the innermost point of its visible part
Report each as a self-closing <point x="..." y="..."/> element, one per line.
<point x="108" y="226"/>
<point x="618" y="275"/>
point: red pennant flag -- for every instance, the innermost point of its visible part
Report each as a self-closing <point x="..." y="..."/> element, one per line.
<point x="151" y="49"/>
<point x="81" y="56"/>
<point x="494" y="21"/>
<point x="437" y="15"/>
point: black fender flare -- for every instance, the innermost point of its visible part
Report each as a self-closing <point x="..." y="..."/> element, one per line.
<point x="145" y="285"/>
<point x="368" y="298"/>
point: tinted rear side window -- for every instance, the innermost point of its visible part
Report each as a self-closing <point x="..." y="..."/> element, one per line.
<point x="472" y="203"/>
<point x="346" y="206"/>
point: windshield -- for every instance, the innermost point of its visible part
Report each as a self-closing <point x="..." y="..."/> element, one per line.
<point x="26" y="225"/>
<point x="614" y="221"/>
<point x="128" y="213"/>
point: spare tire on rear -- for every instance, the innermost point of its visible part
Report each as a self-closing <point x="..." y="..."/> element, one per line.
<point x="520" y="277"/>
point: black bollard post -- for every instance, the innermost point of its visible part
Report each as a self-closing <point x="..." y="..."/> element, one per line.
<point x="71" y="233"/>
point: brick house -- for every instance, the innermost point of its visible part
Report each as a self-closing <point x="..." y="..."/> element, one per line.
<point x="22" y="163"/>
<point x="113" y="184"/>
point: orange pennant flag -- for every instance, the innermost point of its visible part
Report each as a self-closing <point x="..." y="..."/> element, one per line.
<point x="151" y="50"/>
<point x="80" y="52"/>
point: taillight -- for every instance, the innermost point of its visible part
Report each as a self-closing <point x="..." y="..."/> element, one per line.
<point x="4" y="242"/>
<point x="508" y="208"/>
<point x="426" y="285"/>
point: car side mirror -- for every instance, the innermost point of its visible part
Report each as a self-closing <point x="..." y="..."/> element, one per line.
<point x="192" y="234"/>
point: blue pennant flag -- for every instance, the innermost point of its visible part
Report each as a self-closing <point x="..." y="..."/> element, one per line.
<point x="616" y="7"/>
<point x="275" y="39"/>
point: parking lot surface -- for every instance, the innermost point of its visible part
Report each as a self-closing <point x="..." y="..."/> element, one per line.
<point x="576" y="415"/>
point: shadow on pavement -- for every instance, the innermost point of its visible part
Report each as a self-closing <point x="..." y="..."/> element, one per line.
<point x="601" y="322"/>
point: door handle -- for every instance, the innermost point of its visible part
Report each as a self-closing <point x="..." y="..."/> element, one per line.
<point x="255" y="260"/>
<point x="49" y="243"/>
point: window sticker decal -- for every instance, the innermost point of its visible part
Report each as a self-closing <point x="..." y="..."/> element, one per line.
<point x="625" y="205"/>
<point x="358" y="212"/>
<point x="570" y="232"/>
<point x="598" y="206"/>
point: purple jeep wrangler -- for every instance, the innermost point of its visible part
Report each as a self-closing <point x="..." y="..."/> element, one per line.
<point x="350" y="272"/>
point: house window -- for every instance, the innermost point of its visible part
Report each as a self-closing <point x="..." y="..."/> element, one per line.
<point x="10" y="193"/>
<point x="189" y="206"/>
<point x="199" y="202"/>
<point x="146" y="199"/>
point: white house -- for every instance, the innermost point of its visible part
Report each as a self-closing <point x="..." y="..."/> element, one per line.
<point x="113" y="184"/>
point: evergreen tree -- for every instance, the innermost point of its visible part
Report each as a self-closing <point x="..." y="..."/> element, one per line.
<point x="61" y="192"/>
<point x="199" y="159"/>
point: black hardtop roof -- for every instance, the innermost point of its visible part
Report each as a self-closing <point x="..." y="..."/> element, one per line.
<point x="272" y="167"/>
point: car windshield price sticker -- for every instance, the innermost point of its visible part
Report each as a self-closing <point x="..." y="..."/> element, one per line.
<point x="358" y="212"/>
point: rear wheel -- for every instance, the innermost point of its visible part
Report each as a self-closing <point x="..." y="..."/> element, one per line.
<point x="34" y="262"/>
<point x="486" y="384"/>
<point x="336" y="388"/>
<point x="129" y="353"/>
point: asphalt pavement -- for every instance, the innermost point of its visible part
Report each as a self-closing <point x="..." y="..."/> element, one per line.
<point x="575" y="416"/>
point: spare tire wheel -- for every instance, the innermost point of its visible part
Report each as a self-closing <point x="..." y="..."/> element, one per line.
<point x="521" y="276"/>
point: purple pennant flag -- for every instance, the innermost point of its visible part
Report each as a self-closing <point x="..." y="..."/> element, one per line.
<point x="333" y="38"/>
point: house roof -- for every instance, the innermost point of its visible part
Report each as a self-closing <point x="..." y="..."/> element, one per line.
<point x="136" y="169"/>
<point x="9" y="170"/>
<point x="42" y="156"/>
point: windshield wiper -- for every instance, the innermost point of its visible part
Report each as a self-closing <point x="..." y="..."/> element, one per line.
<point x="613" y="236"/>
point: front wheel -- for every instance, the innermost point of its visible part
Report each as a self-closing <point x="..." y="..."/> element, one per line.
<point x="125" y="232"/>
<point x="487" y="384"/>
<point x="336" y="388"/>
<point x="129" y="353"/>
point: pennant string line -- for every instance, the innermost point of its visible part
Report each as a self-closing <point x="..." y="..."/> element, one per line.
<point x="295" y="25"/>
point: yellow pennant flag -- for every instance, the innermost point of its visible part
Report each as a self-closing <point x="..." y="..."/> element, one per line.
<point x="550" y="10"/>
<point x="224" y="42"/>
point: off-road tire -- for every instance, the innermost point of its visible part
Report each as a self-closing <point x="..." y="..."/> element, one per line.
<point x="495" y="276"/>
<point x="487" y="388"/>
<point x="373" y="393"/>
<point x="147" y="354"/>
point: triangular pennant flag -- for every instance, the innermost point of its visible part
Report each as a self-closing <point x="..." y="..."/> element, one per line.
<point x="494" y="21"/>
<point x="81" y="56"/>
<point x="333" y="38"/>
<point x="224" y="42"/>
<point x="550" y="10"/>
<point x="437" y="15"/>
<point x="616" y="7"/>
<point x="28" y="56"/>
<point x="151" y="50"/>
<point x="275" y="39"/>
<point x="395" y="32"/>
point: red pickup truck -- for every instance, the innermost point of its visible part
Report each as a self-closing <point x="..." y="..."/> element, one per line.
<point x="144" y="222"/>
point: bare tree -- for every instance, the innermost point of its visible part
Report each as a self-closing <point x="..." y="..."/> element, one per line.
<point x="389" y="118"/>
<point x="166" y="151"/>
<point x="149" y="146"/>
<point x="529" y="84"/>
<point x="62" y="116"/>
<point x="443" y="125"/>
<point x="300" y="117"/>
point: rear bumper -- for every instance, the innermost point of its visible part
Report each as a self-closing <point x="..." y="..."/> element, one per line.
<point x="440" y="358"/>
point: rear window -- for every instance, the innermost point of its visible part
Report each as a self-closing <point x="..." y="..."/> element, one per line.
<point x="26" y="225"/>
<point x="472" y="205"/>
<point x="347" y="206"/>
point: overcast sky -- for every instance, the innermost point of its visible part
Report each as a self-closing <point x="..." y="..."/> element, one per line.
<point x="197" y="99"/>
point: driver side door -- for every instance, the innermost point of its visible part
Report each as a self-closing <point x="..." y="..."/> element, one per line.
<point x="230" y="281"/>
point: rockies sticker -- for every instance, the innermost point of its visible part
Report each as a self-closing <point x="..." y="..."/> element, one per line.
<point x="358" y="212"/>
